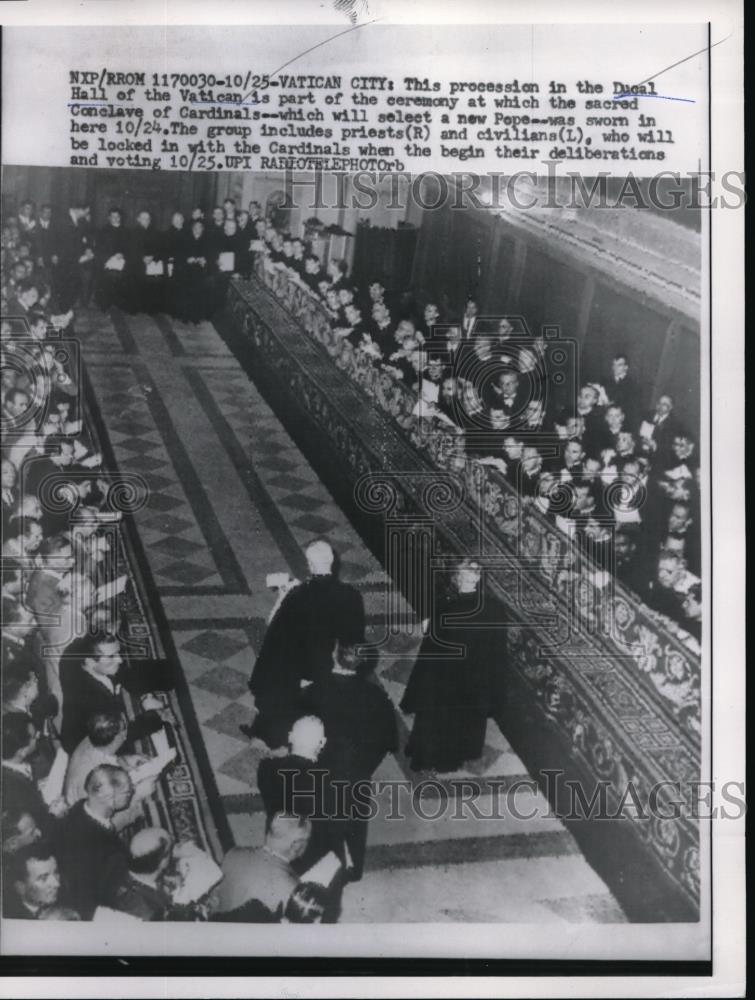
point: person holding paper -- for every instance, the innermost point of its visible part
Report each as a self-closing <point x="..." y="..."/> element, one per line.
<point x="258" y="882"/>
<point x="91" y="680"/>
<point x="111" y="255"/>
<point x="146" y="267"/>
<point x="299" y="643"/>
<point x="141" y="893"/>
<point x="92" y="856"/>
<point x="360" y="730"/>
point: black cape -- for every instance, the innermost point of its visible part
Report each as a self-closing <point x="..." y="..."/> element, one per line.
<point x="451" y="697"/>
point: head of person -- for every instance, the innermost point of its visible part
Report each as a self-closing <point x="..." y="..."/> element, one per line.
<point x="197" y="228"/>
<point x="243" y="219"/>
<point x="625" y="545"/>
<point x="229" y="208"/>
<point x="345" y="296"/>
<point x="670" y="570"/>
<point x="534" y="412"/>
<point x="144" y="219"/>
<point x="664" y="406"/>
<point x="229" y="226"/>
<point x="45" y="213"/>
<point x="679" y="518"/>
<point x="26" y="208"/>
<point x="8" y="474"/>
<point x="106" y="731"/>
<point x="692" y="604"/>
<point x="448" y="389"/>
<point x="513" y="448"/>
<point x="19" y="737"/>
<point x="99" y="653"/>
<point x="34" y="876"/>
<point x="467" y="576"/>
<point x="625" y="444"/>
<point x="471" y="309"/>
<point x="331" y="297"/>
<point x="620" y="366"/>
<point x="288" y="836"/>
<point x="306" y="904"/>
<point x="431" y="314"/>
<point x="532" y="461"/>
<point x="435" y="369"/>
<point x="614" y="417"/>
<point x="353" y="314"/>
<point x="218" y="215"/>
<point x="573" y="453"/>
<point x="177" y="220"/>
<point x="17" y="403"/>
<point x="108" y="789"/>
<point x="150" y="852"/>
<point x="588" y="397"/>
<point x="320" y="557"/>
<point x="509" y="383"/>
<point x="19" y="830"/>
<point x="591" y="469"/>
<point x="20" y="686"/>
<point x="115" y="218"/>
<point x="683" y="447"/>
<point x="405" y="332"/>
<point x="499" y="420"/>
<point x="312" y="266"/>
<point x="57" y="552"/>
<point x="307" y="737"/>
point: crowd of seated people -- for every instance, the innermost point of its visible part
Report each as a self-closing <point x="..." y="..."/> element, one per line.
<point x="71" y="745"/>
<point x="81" y="725"/>
<point x="623" y="483"/>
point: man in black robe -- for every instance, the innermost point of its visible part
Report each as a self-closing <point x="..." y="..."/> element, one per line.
<point x="299" y="643"/>
<point x="147" y="267"/>
<point x="111" y="258"/>
<point x="454" y="686"/>
<point x="360" y="729"/>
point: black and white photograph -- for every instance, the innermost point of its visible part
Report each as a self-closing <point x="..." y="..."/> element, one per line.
<point x="358" y="536"/>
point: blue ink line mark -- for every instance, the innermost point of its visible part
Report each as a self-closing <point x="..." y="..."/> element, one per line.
<point x="662" y="97"/>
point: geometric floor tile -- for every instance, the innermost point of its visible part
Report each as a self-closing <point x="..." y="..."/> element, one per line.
<point x="214" y="645"/>
<point x="186" y="572"/>
<point x="229" y="720"/>
<point x="225" y="681"/>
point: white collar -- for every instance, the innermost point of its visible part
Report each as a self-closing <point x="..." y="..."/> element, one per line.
<point x="105" y="681"/>
<point x="106" y="823"/>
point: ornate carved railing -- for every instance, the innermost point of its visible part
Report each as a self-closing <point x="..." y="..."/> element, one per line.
<point x="595" y="665"/>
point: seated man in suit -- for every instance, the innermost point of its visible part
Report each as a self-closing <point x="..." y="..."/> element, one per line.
<point x="32" y="883"/>
<point x="19" y="789"/>
<point x="257" y="882"/>
<point x="92" y="681"/>
<point x="141" y="893"/>
<point x="92" y="856"/>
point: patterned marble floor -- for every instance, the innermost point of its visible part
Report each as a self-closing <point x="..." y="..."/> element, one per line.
<point x="231" y="499"/>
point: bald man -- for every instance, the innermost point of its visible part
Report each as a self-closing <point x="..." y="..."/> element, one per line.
<point x="299" y="643"/>
<point x="92" y="856"/>
<point x="257" y="882"/>
<point x="141" y="893"/>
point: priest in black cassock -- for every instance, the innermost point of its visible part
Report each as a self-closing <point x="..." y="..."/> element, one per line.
<point x="452" y="696"/>
<point x="298" y="646"/>
<point x="111" y="258"/>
